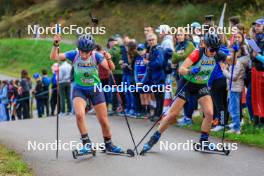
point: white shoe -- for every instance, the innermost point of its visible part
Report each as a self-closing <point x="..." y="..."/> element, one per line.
<point x="91" y="111"/>
<point x="181" y="119"/>
<point x="234" y="131"/>
<point x="217" y="128"/>
<point x="62" y="114"/>
<point x="231" y="125"/>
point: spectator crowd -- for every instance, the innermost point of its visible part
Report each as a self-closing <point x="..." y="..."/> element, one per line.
<point x="154" y="61"/>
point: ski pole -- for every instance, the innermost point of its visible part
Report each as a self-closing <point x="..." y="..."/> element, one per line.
<point x="58" y="102"/>
<point x="230" y="86"/>
<point x="180" y="91"/>
<point x="127" y="122"/>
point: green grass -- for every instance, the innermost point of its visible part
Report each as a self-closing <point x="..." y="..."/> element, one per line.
<point x="32" y="55"/>
<point x="123" y="17"/>
<point x="250" y="134"/>
<point x="12" y="164"/>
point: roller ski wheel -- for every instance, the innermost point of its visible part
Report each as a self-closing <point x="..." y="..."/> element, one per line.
<point x="77" y="153"/>
<point x="210" y="148"/>
<point x="128" y="153"/>
<point x="111" y="149"/>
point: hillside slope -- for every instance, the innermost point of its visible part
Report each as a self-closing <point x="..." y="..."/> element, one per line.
<point x="124" y="17"/>
<point x="33" y="55"/>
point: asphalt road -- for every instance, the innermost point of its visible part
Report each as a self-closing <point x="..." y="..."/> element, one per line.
<point x="5" y="77"/>
<point x="245" y="161"/>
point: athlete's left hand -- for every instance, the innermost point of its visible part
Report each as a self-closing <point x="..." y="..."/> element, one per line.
<point x="195" y="70"/>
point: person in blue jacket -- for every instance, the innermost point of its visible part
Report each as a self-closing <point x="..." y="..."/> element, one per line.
<point x="155" y="75"/>
<point x="140" y="70"/>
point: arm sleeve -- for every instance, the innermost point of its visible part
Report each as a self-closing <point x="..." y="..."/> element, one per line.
<point x="70" y="55"/>
<point x="260" y="58"/>
<point x="212" y="77"/>
<point x="236" y="73"/>
<point x="176" y="57"/>
<point x="157" y="62"/>
<point x="221" y="56"/>
<point x="194" y="56"/>
<point x="99" y="58"/>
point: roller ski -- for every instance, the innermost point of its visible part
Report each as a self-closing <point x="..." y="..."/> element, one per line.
<point x="153" y="140"/>
<point x="85" y="150"/>
<point x="111" y="149"/>
<point x="208" y="147"/>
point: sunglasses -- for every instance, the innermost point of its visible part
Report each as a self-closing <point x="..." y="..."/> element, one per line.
<point x="212" y="50"/>
<point x="140" y="49"/>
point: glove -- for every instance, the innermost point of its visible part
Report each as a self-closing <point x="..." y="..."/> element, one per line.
<point x="195" y="70"/>
<point x="236" y="47"/>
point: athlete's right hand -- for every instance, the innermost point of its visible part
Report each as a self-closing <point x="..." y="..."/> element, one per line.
<point x="57" y="38"/>
<point x="194" y="70"/>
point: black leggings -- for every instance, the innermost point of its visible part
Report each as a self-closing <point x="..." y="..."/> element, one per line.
<point x="219" y="97"/>
<point x="23" y="110"/>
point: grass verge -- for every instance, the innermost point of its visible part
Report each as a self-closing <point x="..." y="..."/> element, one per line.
<point x="12" y="164"/>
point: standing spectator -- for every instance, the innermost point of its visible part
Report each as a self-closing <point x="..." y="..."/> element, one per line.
<point x="183" y="48"/>
<point x="196" y="35"/>
<point x="114" y="48"/>
<point x="139" y="74"/>
<point x="258" y="68"/>
<point x="155" y="72"/>
<point x="65" y="87"/>
<point x="104" y="74"/>
<point x="164" y="32"/>
<point x="24" y="92"/>
<point x="132" y="52"/>
<point x="126" y="66"/>
<point x="241" y="62"/>
<point x="4" y="114"/>
<point x="46" y="85"/>
<point x="53" y="99"/>
<point x="39" y="94"/>
<point x="233" y="22"/>
<point x="167" y="45"/>
<point x="147" y="30"/>
<point x="13" y="100"/>
<point x="127" y="51"/>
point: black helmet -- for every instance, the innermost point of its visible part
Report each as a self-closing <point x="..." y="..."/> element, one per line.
<point x="212" y="40"/>
<point x="86" y="43"/>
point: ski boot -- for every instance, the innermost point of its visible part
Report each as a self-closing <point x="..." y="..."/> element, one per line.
<point x="153" y="140"/>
